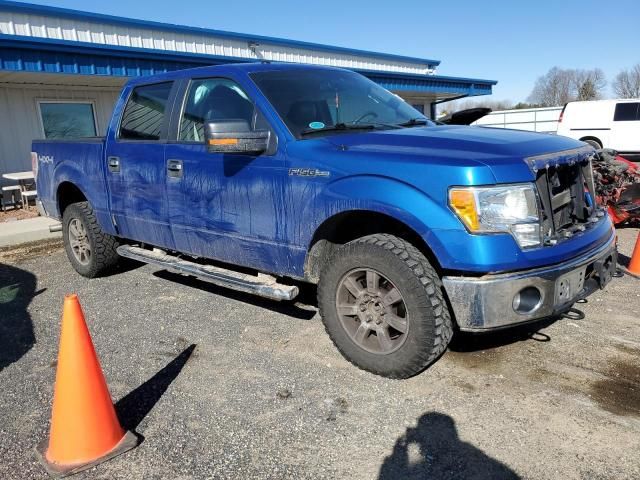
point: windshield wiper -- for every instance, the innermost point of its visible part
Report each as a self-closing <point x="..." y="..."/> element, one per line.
<point x="380" y="124"/>
<point x="338" y="127"/>
<point x="413" y="122"/>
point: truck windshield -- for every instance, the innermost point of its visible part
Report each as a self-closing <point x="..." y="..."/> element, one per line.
<point x="329" y="102"/>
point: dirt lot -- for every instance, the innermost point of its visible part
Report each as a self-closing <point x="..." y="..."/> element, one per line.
<point x="13" y="214"/>
<point x="225" y="385"/>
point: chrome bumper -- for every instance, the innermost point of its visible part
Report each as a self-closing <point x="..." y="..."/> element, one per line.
<point x="495" y="301"/>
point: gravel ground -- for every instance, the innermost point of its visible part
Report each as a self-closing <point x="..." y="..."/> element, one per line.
<point x="225" y="385"/>
<point x="17" y="214"/>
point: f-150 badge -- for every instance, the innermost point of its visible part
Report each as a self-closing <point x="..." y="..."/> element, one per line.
<point x="308" y="172"/>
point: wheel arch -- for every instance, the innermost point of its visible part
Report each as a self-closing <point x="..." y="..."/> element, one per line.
<point x="592" y="138"/>
<point x="349" y="225"/>
<point x="68" y="193"/>
<point x="360" y="205"/>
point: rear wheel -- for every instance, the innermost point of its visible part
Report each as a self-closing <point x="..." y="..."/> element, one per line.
<point x="90" y="251"/>
<point x="594" y="143"/>
<point x="382" y="305"/>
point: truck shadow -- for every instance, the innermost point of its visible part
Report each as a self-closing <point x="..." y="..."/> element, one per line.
<point x="305" y="299"/>
<point x="433" y="450"/>
<point x="17" y="289"/>
<point x="124" y="265"/>
<point x="472" y="342"/>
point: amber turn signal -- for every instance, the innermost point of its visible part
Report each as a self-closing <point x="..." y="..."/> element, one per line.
<point x="463" y="203"/>
<point x="223" y="141"/>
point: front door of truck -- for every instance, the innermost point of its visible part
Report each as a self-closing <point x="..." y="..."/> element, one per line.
<point x="135" y="165"/>
<point x="224" y="206"/>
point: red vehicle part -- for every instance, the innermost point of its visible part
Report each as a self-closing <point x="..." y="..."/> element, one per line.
<point x="617" y="183"/>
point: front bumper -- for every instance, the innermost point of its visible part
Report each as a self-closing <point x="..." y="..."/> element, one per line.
<point x="501" y="300"/>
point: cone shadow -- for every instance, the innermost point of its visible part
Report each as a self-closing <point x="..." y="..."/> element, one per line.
<point x="133" y="407"/>
<point x="623" y="260"/>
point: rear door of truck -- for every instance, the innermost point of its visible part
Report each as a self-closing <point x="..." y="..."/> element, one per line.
<point x="136" y="171"/>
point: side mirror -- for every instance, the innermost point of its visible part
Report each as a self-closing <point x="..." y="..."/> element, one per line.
<point x="235" y="136"/>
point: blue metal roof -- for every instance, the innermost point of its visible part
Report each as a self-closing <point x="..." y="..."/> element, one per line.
<point x="62" y="56"/>
<point x="431" y="83"/>
<point x="28" y="54"/>
<point x="33" y="9"/>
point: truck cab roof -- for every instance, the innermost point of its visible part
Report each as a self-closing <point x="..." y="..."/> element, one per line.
<point x="226" y="69"/>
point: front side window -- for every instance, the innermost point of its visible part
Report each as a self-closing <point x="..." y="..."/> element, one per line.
<point x="67" y="120"/>
<point x="627" y="112"/>
<point x="213" y="99"/>
<point x="144" y="114"/>
<point x="308" y="100"/>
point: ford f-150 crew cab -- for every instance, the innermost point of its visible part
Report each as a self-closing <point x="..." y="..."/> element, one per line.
<point x="260" y="175"/>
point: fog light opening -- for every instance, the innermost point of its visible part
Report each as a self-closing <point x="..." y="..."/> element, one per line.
<point x="527" y="300"/>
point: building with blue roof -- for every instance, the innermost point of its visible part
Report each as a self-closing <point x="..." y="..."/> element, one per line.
<point x="61" y="67"/>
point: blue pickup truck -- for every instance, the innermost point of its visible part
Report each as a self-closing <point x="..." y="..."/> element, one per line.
<point x="258" y="176"/>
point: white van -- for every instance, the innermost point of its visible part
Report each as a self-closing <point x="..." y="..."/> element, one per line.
<point x="604" y="124"/>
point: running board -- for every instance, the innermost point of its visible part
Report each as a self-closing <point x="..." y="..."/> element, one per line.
<point x="262" y="285"/>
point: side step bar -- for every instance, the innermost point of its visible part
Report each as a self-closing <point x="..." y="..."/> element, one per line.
<point x="262" y="285"/>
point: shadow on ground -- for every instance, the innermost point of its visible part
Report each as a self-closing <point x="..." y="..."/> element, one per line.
<point x="306" y="296"/>
<point x="623" y="260"/>
<point x="133" y="407"/>
<point x="472" y="342"/>
<point x="433" y="450"/>
<point x="124" y="265"/>
<point x="17" y="289"/>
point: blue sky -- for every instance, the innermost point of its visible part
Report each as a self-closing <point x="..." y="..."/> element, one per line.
<point x="510" y="41"/>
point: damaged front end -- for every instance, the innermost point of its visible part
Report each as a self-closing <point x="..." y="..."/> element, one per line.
<point x="617" y="184"/>
<point x="566" y="190"/>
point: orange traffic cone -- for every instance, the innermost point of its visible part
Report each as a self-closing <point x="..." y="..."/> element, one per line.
<point x="85" y="430"/>
<point x="634" y="264"/>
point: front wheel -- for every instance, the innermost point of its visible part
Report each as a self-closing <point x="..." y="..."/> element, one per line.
<point x="382" y="304"/>
<point x="90" y="251"/>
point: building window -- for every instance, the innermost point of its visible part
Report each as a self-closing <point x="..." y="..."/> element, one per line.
<point x="143" y="116"/>
<point x="67" y="119"/>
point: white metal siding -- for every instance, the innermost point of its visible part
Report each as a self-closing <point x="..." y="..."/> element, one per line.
<point x="41" y="26"/>
<point x="544" y="120"/>
<point x="21" y="124"/>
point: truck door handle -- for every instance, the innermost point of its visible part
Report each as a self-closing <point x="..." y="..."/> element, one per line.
<point x="114" y="164"/>
<point x="174" y="168"/>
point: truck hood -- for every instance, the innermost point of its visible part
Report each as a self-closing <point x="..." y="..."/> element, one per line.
<point x="503" y="151"/>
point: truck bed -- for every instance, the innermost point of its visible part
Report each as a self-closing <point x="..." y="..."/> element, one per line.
<point x="78" y="161"/>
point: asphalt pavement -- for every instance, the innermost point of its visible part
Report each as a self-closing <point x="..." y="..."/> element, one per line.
<point x="225" y="385"/>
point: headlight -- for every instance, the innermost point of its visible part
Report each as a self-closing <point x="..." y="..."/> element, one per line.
<point x="512" y="209"/>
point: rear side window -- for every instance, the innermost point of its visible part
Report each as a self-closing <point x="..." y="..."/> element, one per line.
<point x="627" y="112"/>
<point x="143" y="116"/>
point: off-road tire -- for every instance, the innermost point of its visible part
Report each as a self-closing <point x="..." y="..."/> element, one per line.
<point x="430" y="325"/>
<point x="103" y="246"/>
